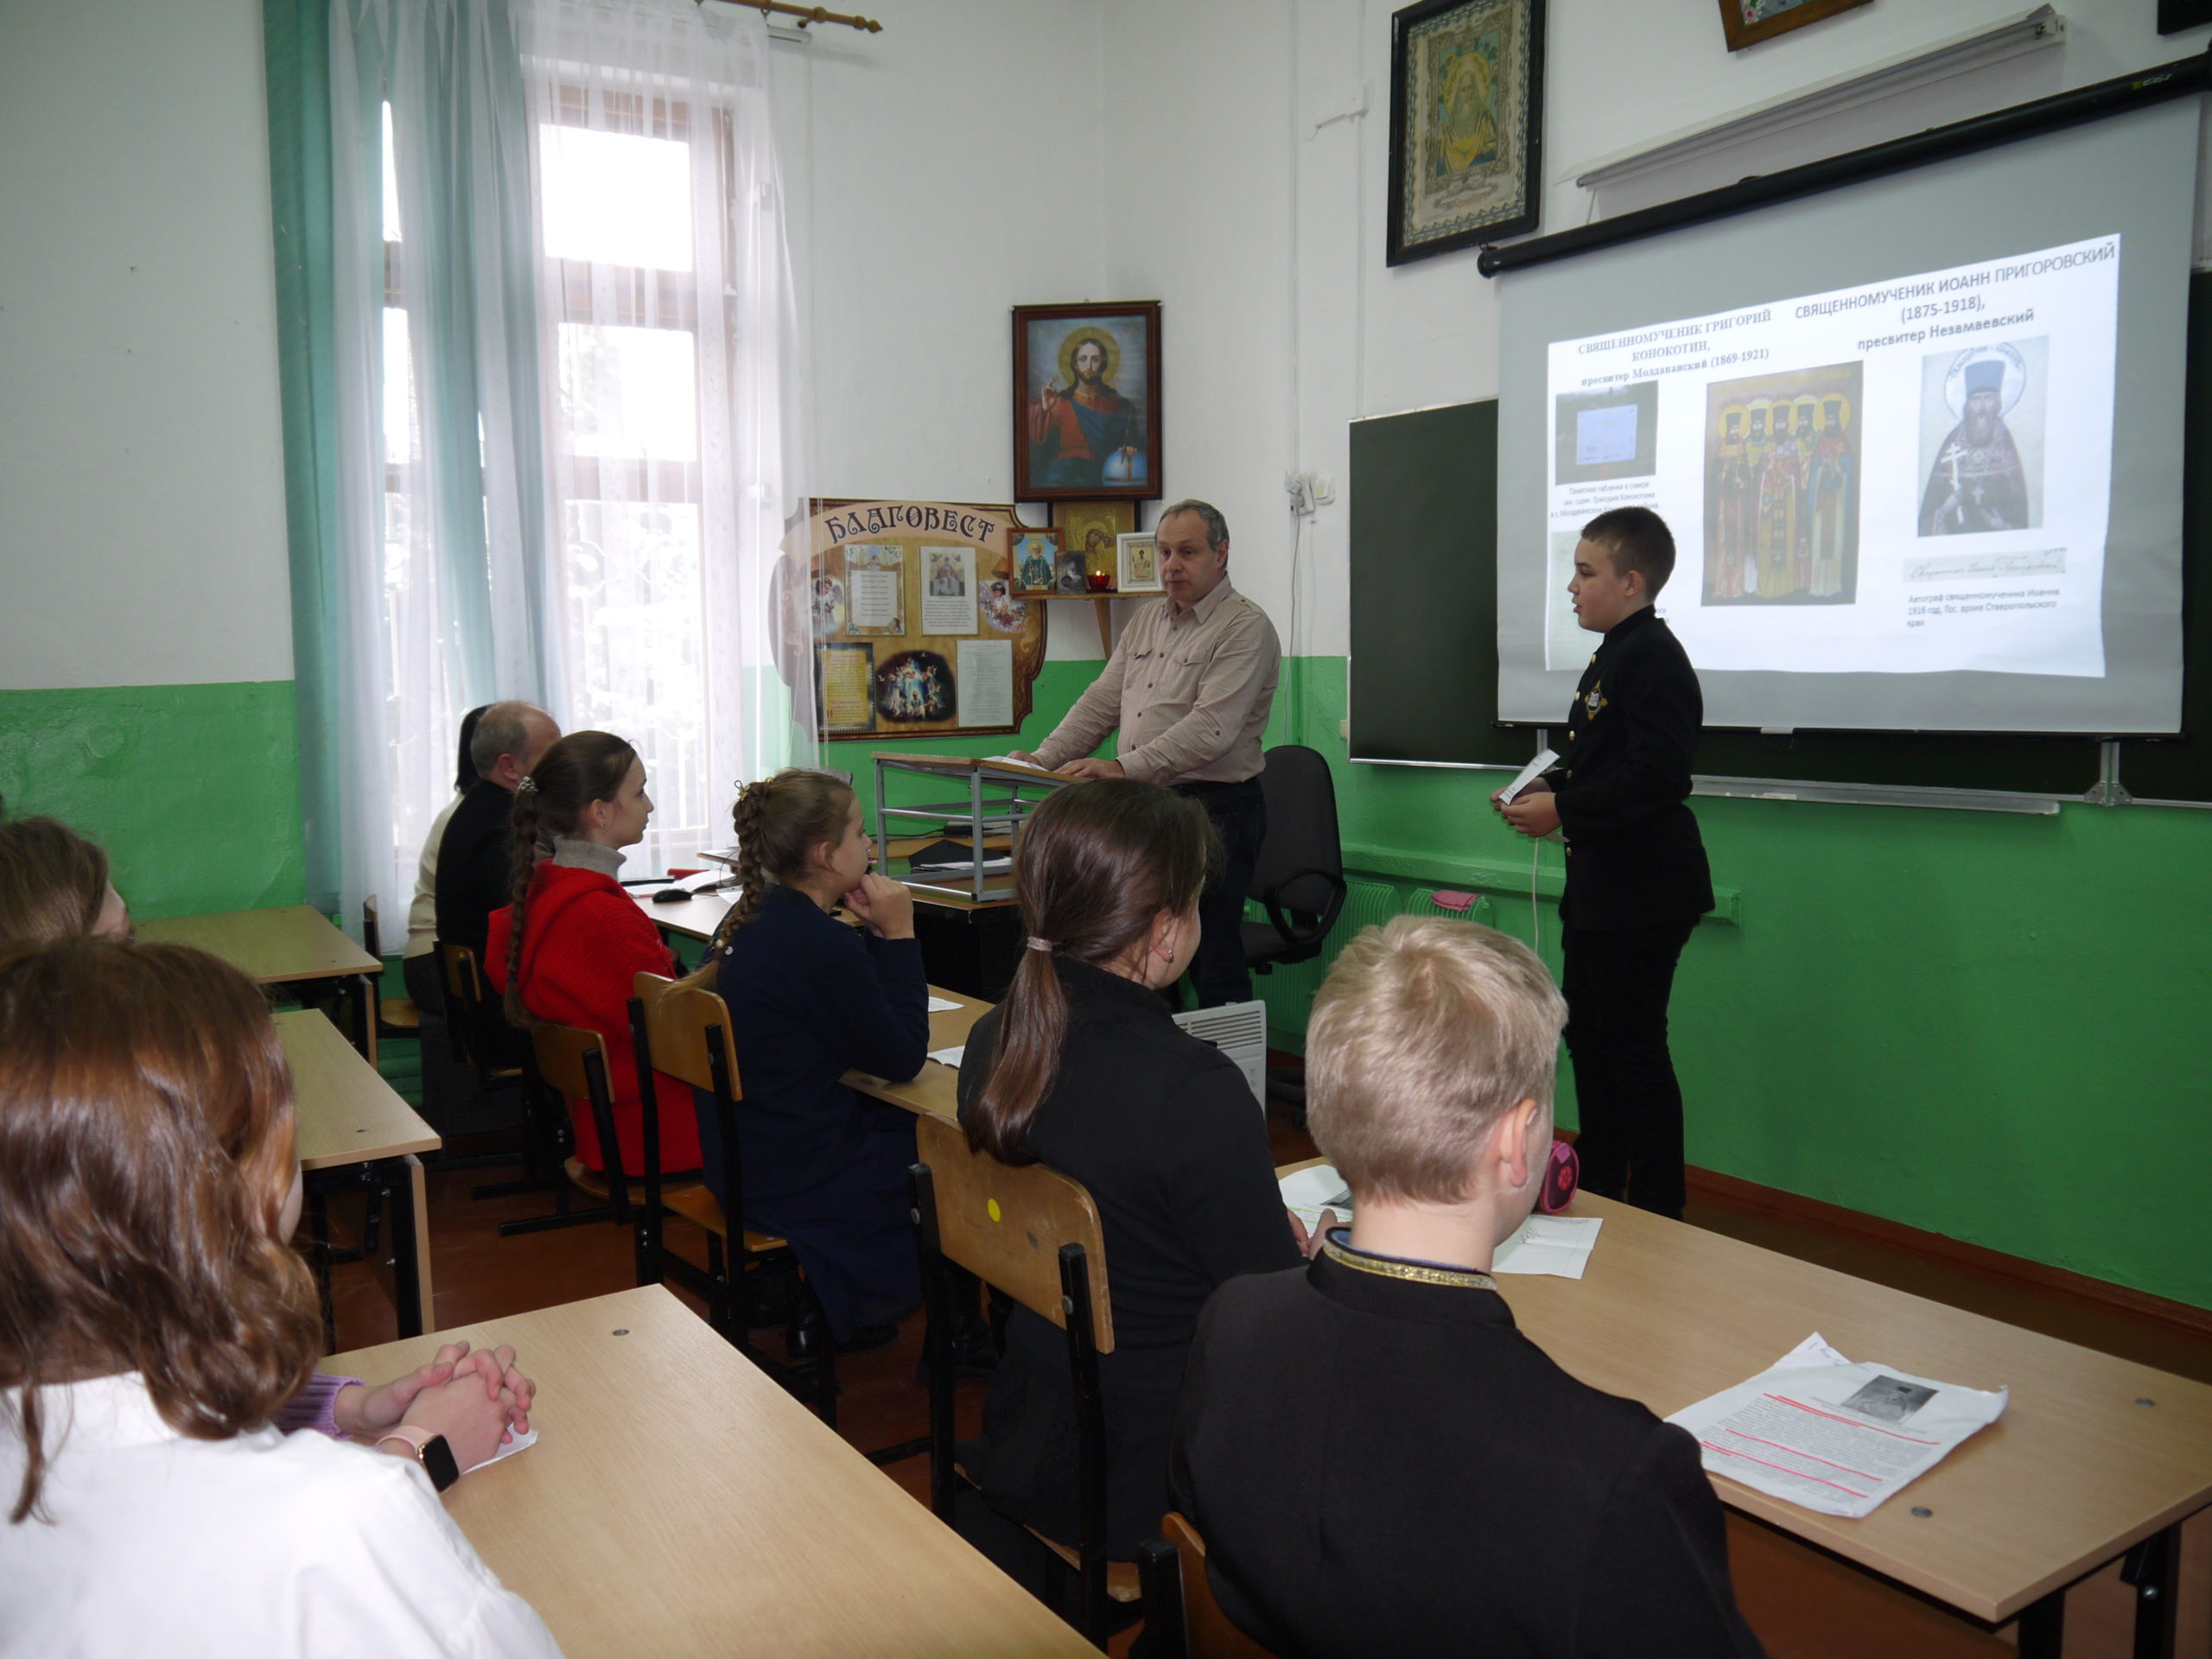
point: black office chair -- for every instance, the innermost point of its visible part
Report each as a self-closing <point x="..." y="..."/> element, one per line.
<point x="1299" y="878"/>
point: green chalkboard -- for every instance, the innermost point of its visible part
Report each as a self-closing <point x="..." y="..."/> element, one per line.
<point x="1424" y="589"/>
<point x="1424" y="630"/>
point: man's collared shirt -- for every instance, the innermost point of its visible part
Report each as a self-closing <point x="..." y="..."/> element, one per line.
<point x="1189" y="690"/>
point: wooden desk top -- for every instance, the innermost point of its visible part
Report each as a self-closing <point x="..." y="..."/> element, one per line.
<point x="291" y="941"/>
<point x="2074" y="1473"/>
<point x="696" y="918"/>
<point x="347" y="1112"/>
<point x="937" y="1091"/>
<point x="680" y="1503"/>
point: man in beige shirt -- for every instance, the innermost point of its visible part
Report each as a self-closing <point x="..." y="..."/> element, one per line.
<point x="1189" y="686"/>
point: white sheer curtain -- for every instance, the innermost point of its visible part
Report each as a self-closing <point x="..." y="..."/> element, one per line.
<point x="668" y="324"/>
<point x="568" y="407"/>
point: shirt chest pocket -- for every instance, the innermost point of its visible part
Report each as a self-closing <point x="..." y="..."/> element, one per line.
<point x="1168" y="673"/>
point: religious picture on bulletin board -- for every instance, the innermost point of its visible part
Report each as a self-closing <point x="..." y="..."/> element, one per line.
<point x="1034" y="554"/>
<point x="1086" y="396"/>
<point x="948" y="590"/>
<point x="1466" y="125"/>
<point x="1782" y="487"/>
<point x="845" y="676"/>
<point x="829" y="611"/>
<point x="914" y="687"/>
<point x="1137" y="564"/>
<point x="1004" y="612"/>
<point x="875" y="584"/>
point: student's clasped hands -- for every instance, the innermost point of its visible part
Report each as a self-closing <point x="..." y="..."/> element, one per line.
<point x="477" y="1400"/>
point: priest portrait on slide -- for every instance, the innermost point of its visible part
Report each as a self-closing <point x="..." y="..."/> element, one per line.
<point x="1981" y="416"/>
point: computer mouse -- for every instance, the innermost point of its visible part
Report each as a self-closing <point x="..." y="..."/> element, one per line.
<point x="671" y="896"/>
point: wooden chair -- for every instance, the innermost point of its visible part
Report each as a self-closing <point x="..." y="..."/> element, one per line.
<point x="1182" y="1620"/>
<point x="1034" y="1234"/>
<point x="564" y="1063"/>
<point x="684" y="1033"/>
<point x="397" y="1016"/>
<point x="470" y="1017"/>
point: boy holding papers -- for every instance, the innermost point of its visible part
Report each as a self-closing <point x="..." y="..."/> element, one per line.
<point x="1637" y="878"/>
<point x="1378" y="1461"/>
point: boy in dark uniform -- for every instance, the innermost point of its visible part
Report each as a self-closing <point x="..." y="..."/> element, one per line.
<point x="1433" y="1483"/>
<point x="1637" y="876"/>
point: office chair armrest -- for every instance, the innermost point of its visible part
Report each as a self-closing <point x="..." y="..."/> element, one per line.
<point x="1280" y="919"/>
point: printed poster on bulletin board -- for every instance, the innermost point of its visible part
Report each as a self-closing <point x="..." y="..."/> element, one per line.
<point x="914" y="624"/>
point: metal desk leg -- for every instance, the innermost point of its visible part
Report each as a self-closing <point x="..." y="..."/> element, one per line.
<point x="2043" y="1627"/>
<point x="410" y="1250"/>
<point x="2150" y="1567"/>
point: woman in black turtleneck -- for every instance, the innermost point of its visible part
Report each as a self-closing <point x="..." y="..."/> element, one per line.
<point x="1082" y="1069"/>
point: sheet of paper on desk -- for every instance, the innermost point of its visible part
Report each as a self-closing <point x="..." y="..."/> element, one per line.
<point x="949" y="1055"/>
<point x="520" y="1443"/>
<point x="1558" y="1245"/>
<point x="1832" y="1436"/>
<point x="941" y="1005"/>
<point x="1307" y="1192"/>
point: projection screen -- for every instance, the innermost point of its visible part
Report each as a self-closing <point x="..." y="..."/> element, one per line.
<point x="1919" y="441"/>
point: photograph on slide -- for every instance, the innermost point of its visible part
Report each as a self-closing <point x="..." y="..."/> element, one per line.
<point x="1982" y="438"/>
<point x="1782" y="487"/>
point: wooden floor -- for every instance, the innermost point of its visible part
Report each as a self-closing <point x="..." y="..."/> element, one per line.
<point x="1803" y="1604"/>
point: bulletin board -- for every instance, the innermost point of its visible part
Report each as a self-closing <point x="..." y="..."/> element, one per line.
<point x="915" y="628"/>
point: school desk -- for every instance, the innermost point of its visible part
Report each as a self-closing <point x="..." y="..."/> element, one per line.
<point x="354" y="1130"/>
<point x="290" y="945"/>
<point x="936" y="1091"/>
<point x="679" y="1502"/>
<point x="2093" y="1457"/>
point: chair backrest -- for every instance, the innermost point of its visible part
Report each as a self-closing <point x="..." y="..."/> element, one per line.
<point x="1207" y="1632"/>
<point x="457" y="967"/>
<point x="372" y="936"/>
<point x="1006" y="1224"/>
<point x="682" y="1026"/>
<point x="564" y="1055"/>
<point x="1301" y="863"/>
<point x="571" y="1061"/>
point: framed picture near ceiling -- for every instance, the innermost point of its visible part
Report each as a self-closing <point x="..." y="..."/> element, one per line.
<point x="1466" y="125"/>
<point x="2175" y="16"/>
<point x="1746" y="23"/>
<point x="1086" y="402"/>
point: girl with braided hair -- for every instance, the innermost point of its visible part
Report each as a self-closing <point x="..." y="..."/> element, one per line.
<point x="567" y="948"/>
<point x="811" y="999"/>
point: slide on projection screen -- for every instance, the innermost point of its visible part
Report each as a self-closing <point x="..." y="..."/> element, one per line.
<point x="1919" y="441"/>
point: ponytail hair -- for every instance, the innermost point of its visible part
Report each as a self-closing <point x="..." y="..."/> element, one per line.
<point x="582" y="767"/>
<point x="52" y="882"/>
<point x="778" y="822"/>
<point x="1095" y="865"/>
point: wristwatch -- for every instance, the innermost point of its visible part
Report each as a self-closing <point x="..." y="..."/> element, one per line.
<point x="429" y="1450"/>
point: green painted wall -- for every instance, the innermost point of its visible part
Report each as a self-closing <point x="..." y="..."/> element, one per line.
<point x="1989" y="1025"/>
<point x="193" y="789"/>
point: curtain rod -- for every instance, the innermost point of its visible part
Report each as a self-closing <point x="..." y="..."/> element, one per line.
<point x="808" y="14"/>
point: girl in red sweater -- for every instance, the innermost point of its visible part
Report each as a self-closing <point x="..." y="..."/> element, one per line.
<point x="566" y="949"/>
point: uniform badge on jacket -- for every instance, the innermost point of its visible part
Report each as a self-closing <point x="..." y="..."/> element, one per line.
<point x="1595" y="701"/>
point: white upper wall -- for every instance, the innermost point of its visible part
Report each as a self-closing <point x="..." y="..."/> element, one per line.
<point x="142" y="480"/>
<point x="975" y="155"/>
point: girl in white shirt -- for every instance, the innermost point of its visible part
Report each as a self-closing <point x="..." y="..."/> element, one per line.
<point x="152" y="1318"/>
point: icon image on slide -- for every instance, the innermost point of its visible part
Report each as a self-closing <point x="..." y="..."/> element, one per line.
<point x="1982" y="438"/>
<point x="1612" y="432"/>
<point x="1782" y="487"/>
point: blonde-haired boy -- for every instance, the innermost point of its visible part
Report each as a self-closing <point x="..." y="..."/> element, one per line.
<point x="1379" y="1462"/>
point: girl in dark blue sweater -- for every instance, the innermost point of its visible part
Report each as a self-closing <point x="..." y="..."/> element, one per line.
<point x="810" y="999"/>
